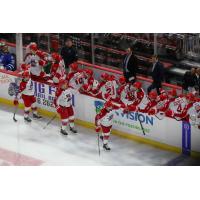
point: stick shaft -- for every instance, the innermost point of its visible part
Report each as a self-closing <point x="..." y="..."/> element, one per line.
<point x="49" y="122"/>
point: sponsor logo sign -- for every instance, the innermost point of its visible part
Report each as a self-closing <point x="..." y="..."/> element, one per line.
<point x="128" y="120"/>
<point x="186" y="138"/>
<point x="5" y="78"/>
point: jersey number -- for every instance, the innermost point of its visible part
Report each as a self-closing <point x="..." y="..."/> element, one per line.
<point x="179" y="109"/>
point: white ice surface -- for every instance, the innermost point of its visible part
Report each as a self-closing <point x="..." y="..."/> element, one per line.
<point x="75" y="149"/>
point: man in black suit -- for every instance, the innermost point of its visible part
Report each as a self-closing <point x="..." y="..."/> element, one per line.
<point x="190" y="81"/>
<point x="69" y="53"/>
<point x="157" y="73"/>
<point x="198" y="78"/>
<point x="130" y="66"/>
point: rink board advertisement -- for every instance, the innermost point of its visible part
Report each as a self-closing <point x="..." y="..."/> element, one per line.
<point x="167" y="131"/>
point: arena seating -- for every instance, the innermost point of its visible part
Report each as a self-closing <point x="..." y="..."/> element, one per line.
<point x="109" y="49"/>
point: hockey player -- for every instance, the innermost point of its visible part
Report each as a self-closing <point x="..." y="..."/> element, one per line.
<point x="132" y="94"/>
<point x="103" y="121"/>
<point x="88" y="76"/>
<point x="45" y="61"/>
<point x="171" y="97"/>
<point x="88" y="81"/>
<point x="149" y="103"/>
<point x="35" y="62"/>
<point x="26" y="92"/>
<point x="179" y="108"/>
<point x="96" y="85"/>
<point x="25" y="67"/>
<point x="63" y="104"/>
<point x="121" y="81"/>
<point x="121" y="86"/>
<point x="161" y="106"/>
<point x="75" y="77"/>
<point x="107" y="88"/>
<point x="137" y="93"/>
<point x="90" y="88"/>
<point x="194" y="114"/>
<point x="57" y="68"/>
<point x="183" y="113"/>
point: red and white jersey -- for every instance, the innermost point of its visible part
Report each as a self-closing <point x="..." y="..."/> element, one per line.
<point x="146" y="105"/>
<point x="143" y="104"/>
<point x="129" y="97"/>
<point x="63" y="97"/>
<point x="122" y="93"/>
<point x="33" y="61"/>
<point x="194" y="114"/>
<point x="26" y="88"/>
<point x="139" y="95"/>
<point x="58" y="71"/>
<point x="178" y="105"/>
<point x="161" y="105"/>
<point x="108" y="90"/>
<point x="94" y="85"/>
<point x="167" y="104"/>
<point x="105" y="118"/>
<point x="76" y="79"/>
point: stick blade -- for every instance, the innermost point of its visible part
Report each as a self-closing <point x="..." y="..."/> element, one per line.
<point x="14" y="119"/>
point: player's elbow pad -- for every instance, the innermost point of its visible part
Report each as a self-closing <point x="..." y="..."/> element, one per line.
<point x="10" y="67"/>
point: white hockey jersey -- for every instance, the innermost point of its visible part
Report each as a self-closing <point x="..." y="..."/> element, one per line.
<point x="194" y="115"/>
<point x="26" y="88"/>
<point x="105" y="118"/>
<point x="33" y="61"/>
<point x="109" y="88"/>
<point x="64" y="98"/>
<point x="178" y="105"/>
<point x="76" y="80"/>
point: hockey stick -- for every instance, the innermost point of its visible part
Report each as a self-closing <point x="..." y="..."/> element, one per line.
<point x="158" y="117"/>
<point x="141" y="126"/>
<point x="99" y="144"/>
<point x="15" y="111"/>
<point x="49" y="122"/>
<point x="98" y="139"/>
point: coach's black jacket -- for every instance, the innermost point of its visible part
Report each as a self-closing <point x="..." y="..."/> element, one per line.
<point x="158" y="73"/>
<point x="132" y="67"/>
<point x="69" y="55"/>
<point x="189" y="80"/>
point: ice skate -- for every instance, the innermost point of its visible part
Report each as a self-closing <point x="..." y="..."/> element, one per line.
<point x="63" y="132"/>
<point x="73" y="130"/>
<point x="27" y="119"/>
<point x="106" y="147"/>
<point x="36" y="116"/>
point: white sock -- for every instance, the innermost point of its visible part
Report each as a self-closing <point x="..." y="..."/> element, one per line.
<point x="105" y="141"/>
<point x="63" y="127"/>
<point x="71" y="124"/>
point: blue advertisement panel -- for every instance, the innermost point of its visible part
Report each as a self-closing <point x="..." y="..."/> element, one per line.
<point x="186" y="138"/>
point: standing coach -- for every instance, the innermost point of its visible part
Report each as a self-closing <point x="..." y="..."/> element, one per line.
<point x="69" y="53"/>
<point x="157" y="74"/>
<point x="130" y="66"/>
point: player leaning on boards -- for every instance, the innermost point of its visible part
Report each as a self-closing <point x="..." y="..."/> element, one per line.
<point x="63" y="104"/>
<point x="26" y="92"/>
